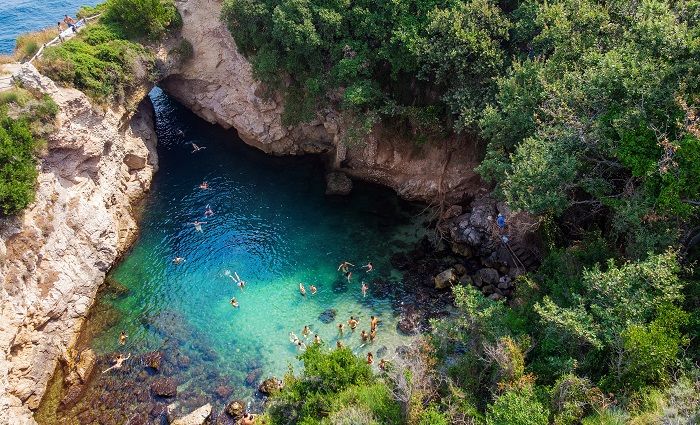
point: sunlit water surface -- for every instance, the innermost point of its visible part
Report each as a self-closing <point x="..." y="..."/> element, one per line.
<point x="274" y="227"/>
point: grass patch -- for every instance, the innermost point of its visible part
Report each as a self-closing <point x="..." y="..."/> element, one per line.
<point x="28" y="44"/>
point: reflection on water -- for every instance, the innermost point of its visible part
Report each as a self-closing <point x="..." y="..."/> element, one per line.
<point x="272" y="226"/>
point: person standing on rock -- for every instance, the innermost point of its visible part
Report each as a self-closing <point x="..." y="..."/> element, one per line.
<point x="122" y="338"/>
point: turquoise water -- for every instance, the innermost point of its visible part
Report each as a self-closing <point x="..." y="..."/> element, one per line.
<point x="274" y="227"/>
<point x="20" y="16"/>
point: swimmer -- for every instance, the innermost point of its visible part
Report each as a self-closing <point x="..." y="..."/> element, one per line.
<point x="364" y="335"/>
<point x="369" y="267"/>
<point x="204" y="186"/>
<point x="118" y="362"/>
<point x="208" y="212"/>
<point x="364" y="289"/>
<point x="373" y="322"/>
<point x="340" y="329"/>
<point x="178" y="260"/>
<point x="122" y="338"/>
<point x="345" y="266"/>
<point x="293" y="338"/>
<point x="370" y="358"/>
<point x="234" y="302"/>
<point x="300" y="345"/>
<point x="372" y="335"/>
<point x="241" y="284"/>
<point x="338" y="344"/>
<point x="383" y="364"/>
<point x="313" y="289"/>
<point x="198" y="225"/>
<point x="306" y="331"/>
<point x="349" y="276"/>
<point x="180" y="132"/>
<point x="302" y="290"/>
<point x="317" y="339"/>
<point x="353" y="323"/>
<point x="196" y="148"/>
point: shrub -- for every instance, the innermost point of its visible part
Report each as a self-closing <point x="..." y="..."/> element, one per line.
<point x="517" y="407"/>
<point x="17" y="164"/>
<point x="141" y="18"/>
<point x="28" y="44"/>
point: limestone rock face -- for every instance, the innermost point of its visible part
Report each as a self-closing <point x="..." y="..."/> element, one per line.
<point x="217" y="83"/>
<point x="55" y="254"/>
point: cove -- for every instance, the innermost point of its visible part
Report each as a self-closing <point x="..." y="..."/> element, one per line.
<point x="273" y="226"/>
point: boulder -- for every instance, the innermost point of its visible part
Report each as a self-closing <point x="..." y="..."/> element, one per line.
<point x="223" y="391"/>
<point x="198" y="417"/>
<point x="460" y="269"/>
<point x="407" y="325"/>
<point x="496" y="296"/>
<point x="504" y="282"/>
<point x="488" y="289"/>
<point x="164" y="387"/>
<point x="452" y="212"/>
<point x="85" y="365"/>
<point x="446" y="279"/>
<point x="183" y="361"/>
<point x="270" y="386"/>
<point x="461" y="250"/>
<point x="253" y="376"/>
<point x="465" y="280"/>
<point x="235" y="409"/>
<point x="328" y="316"/>
<point x="71" y="397"/>
<point x="486" y="276"/>
<point x="152" y="360"/>
<point x="135" y="162"/>
<point x="338" y="183"/>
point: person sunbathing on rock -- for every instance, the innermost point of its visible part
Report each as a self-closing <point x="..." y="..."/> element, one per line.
<point x="118" y="362"/>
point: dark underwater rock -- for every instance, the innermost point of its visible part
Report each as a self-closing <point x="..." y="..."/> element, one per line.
<point x="328" y="316"/>
<point x="164" y="387"/>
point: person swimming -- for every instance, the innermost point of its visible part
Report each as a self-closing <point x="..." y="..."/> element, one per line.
<point x="118" y="362"/>
<point x="353" y="323"/>
<point x="122" y="338"/>
<point x="178" y="260"/>
<point x="317" y="339"/>
<point x="198" y="225"/>
<point x="383" y="364"/>
<point x="196" y="148"/>
<point x="369" y="267"/>
<point x="370" y="358"/>
<point x="306" y="331"/>
<point x="293" y="338"/>
<point x="204" y="185"/>
<point x="364" y="336"/>
<point x="364" y="289"/>
<point x="339" y="344"/>
<point x="345" y="267"/>
<point x="340" y="329"/>
<point x="348" y="275"/>
<point x="208" y="212"/>
<point x="313" y="289"/>
<point x="302" y="290"/>
<point x="372" y="335"/>
<point x="234" y="302"/>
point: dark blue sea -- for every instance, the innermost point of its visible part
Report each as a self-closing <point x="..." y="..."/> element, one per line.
<point x="20" y="16"/>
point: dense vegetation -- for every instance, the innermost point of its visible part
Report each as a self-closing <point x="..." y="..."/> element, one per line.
<point x="108" y="59"/>
<point x="589" y="114"/>
<point x="24" y="120"/>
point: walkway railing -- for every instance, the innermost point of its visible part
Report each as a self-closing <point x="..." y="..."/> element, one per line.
<point x="67" y="33"/>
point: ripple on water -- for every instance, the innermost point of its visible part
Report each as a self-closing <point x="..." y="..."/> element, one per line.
<point x="274" y="227"/>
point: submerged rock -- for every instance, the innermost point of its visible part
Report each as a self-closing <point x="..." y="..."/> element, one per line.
<point x="198" y="417"/>
<point x="164" y="387"/>
<point x="338" y="183"/>
<point x="270" y="386"/>
<point x="235" y="408"/>
<point x="328" y="316"/>
<point x="153" y="359"/>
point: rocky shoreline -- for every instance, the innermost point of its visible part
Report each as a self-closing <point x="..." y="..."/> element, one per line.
<point x="55" y="255"/>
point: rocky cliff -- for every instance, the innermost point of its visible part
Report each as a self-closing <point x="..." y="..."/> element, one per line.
<point x="217" y="83"/>
<point x="55" y="255"/>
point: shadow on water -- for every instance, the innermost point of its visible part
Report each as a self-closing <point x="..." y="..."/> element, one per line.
<point x="272" y="226"/>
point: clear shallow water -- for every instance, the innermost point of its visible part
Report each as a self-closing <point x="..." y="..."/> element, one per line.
<point x="274" y="227"/>
<point x="20" y="16"/>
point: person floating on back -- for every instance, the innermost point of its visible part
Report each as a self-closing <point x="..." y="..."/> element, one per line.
<point x="196" y="148"/>
<point x="178" y="260"/>
<point x="198" y="225"/>
<point x="118" y="362"/>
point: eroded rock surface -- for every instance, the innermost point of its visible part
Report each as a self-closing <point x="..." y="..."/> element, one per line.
<point x="217" y="84"/>
<point x="54" y="256"/>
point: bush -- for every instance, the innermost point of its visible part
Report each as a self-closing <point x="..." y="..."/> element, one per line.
<point x="142" y="18"/>
<point x="17" y="164"/>
<point x="517" y="407"/>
